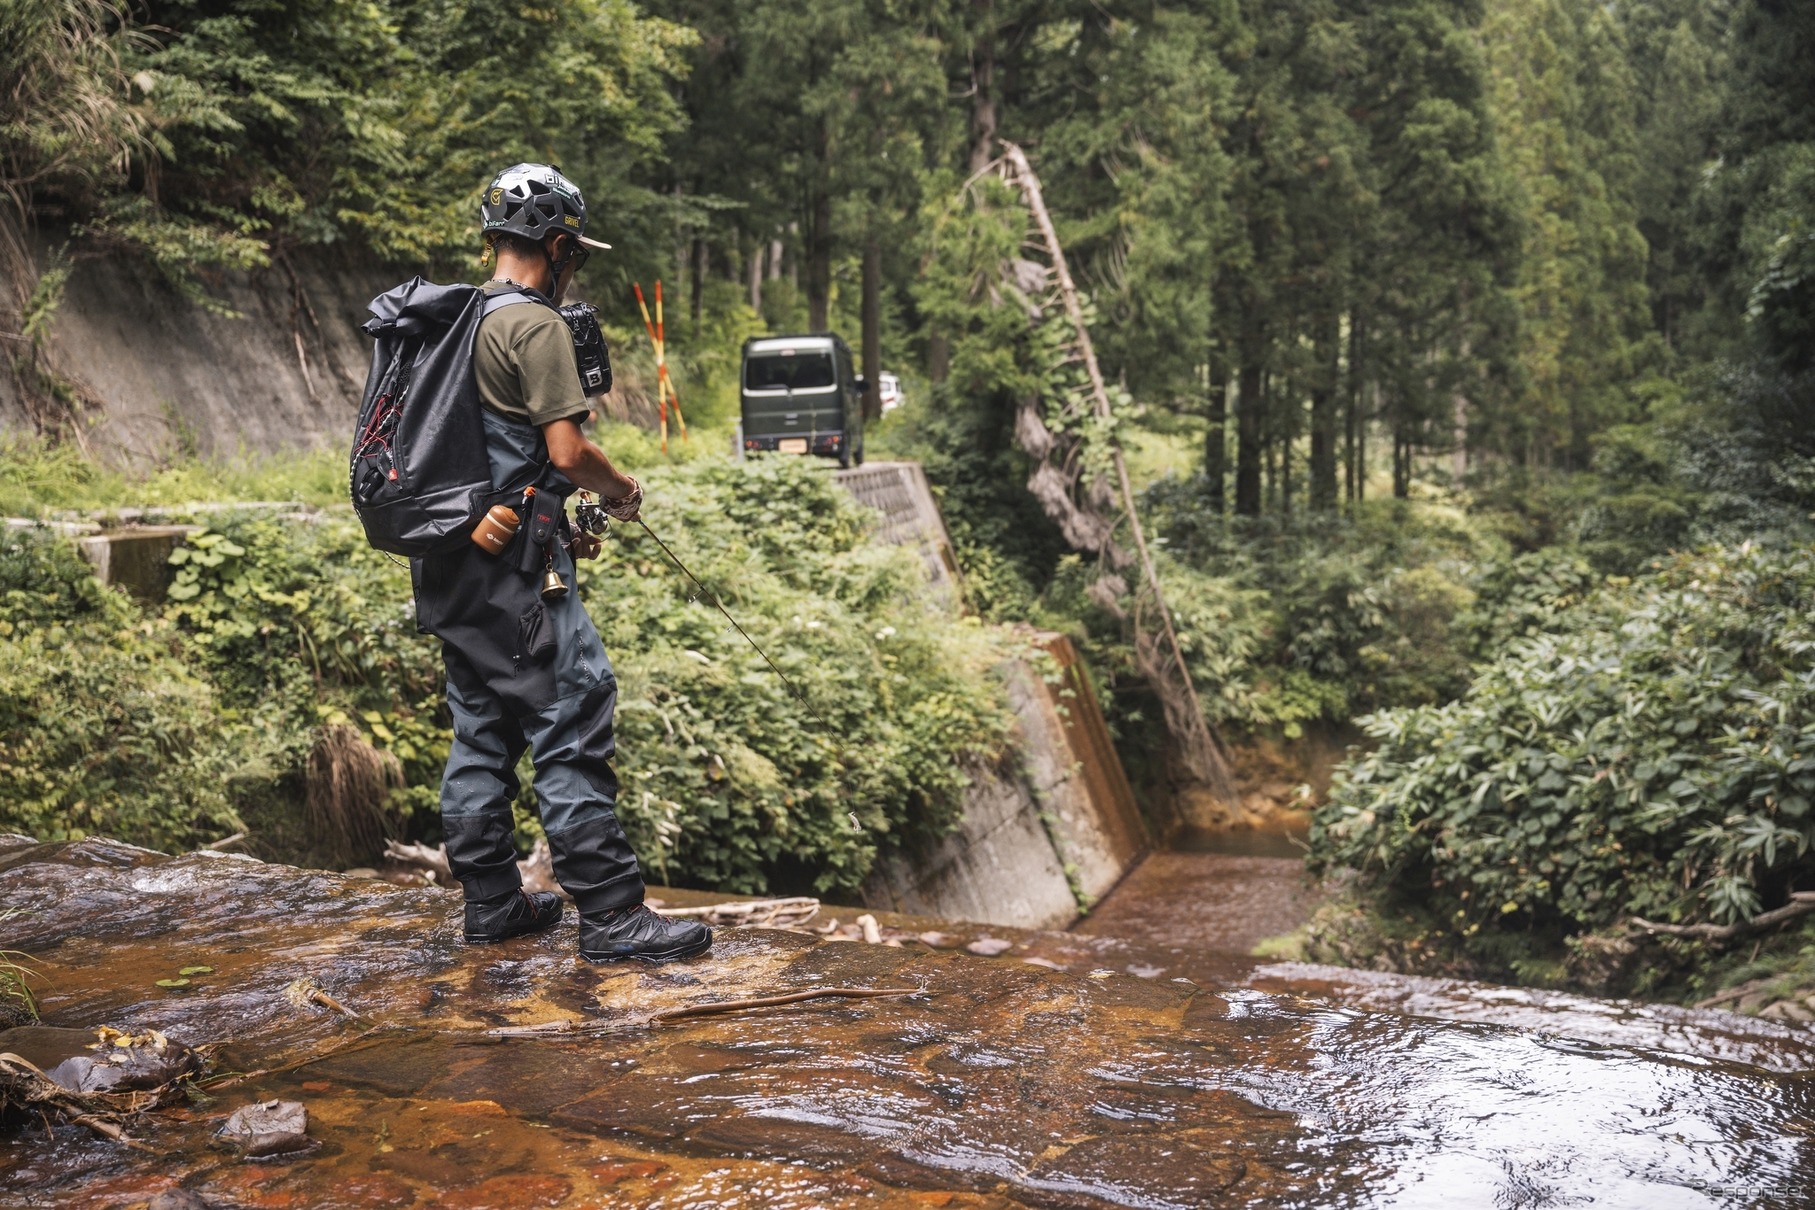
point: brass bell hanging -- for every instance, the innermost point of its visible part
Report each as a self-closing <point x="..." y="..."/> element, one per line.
<point x="553" y="586"/>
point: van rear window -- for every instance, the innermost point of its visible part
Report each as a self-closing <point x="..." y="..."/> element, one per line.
<point x="784" y="371"/>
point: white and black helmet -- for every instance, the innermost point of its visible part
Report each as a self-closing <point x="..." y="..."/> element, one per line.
<point x="535" y="201"/>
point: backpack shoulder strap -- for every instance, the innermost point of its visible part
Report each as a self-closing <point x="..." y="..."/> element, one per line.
<point x="498" y="302"/>
<point x="506" y="298"/>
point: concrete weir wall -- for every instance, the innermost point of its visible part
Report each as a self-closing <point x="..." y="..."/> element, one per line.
<point x="1052" y="827"/>
<point x="1049" y="830"/>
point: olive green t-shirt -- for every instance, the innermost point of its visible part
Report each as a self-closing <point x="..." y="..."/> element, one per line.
<point x="524" y="361"/>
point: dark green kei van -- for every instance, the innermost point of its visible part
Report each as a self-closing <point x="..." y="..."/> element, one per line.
<point x="801" y="395"/>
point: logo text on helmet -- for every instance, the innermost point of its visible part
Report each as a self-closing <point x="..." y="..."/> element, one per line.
<point x="570" y="220"/>
<point x="497" y="196"/>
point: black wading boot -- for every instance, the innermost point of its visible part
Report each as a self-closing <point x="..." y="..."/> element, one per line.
<point x="637" y="932"/>
<point x="511" y="915"/>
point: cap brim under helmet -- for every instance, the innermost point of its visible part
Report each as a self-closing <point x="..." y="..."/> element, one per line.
<point x="592" y="243"/>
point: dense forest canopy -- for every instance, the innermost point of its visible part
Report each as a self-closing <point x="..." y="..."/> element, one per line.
<point x="1483" y="229"/>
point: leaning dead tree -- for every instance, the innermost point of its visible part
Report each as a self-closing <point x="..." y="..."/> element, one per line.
<point x="1080" y="478"/>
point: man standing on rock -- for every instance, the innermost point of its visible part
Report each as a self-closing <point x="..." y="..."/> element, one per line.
<point x="525" y="668"/>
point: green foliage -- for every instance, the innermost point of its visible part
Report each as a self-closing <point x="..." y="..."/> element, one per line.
<point x="39" y="479"/>
<point x="278" y="626"/>
<point x="730" y="781"/>
<point x="206" y="134"/>
<point x="1289" y="621"/>
<point x="69" y="120"/>
<point x="1562" y="96"/>
<point x="1653" y="754"/>
<point x="103" y="727"/>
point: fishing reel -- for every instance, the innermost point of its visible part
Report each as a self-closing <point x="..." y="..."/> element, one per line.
<point x="589" y="515"/>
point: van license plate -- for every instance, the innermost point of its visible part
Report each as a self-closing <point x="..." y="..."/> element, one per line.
<point x="792" y="445"/>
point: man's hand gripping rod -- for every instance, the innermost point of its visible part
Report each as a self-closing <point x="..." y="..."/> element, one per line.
<point x="591" y="518"/>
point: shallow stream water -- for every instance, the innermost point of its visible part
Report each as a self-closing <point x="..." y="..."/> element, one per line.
<point x="1069" y="1070"/>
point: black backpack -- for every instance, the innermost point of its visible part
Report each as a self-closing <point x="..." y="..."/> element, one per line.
<point x="419" y="474"/>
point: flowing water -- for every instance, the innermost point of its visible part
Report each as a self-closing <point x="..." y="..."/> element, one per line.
<point x="1069" y="1070"/>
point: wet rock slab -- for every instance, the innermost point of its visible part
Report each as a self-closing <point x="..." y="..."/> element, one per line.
<point x="998" y="1083"/>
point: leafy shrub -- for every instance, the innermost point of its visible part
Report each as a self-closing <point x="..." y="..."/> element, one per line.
<point x="276" y="628"/>
<point x="103" y="727"/>
<point x="1523" y="596"/>
<point x="1651" y="752"/>
<point x="729" y="780"/>
<point x="1292" y="620"/>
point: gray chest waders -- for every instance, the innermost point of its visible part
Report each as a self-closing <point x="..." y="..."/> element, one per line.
<point x="524" y="671"/>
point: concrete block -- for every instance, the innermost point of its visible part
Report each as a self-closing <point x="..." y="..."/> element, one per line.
<point x="136" y="558"/>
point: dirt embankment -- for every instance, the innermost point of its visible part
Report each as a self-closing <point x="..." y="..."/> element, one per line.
<point x="273" y="360"/>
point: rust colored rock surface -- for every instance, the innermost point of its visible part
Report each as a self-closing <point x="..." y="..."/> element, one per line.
<point x="1001" y="1083"/>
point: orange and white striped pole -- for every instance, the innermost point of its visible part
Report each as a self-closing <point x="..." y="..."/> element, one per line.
<point x="664" y="379"/>
<point x="664" y="384"/>
<point x="661" y="367"/>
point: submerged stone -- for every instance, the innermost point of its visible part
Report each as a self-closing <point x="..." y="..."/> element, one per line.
<point x="268" y="1129"/>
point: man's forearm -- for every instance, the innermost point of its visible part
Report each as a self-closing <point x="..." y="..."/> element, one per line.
<point x="583" y="462"/>
<point x="592" y="470"/>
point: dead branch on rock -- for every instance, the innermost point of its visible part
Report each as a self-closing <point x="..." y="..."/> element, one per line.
<point x="821" y="993"/>
<point x="376" y="1035"/>
<point x="23" y="1082"/>
<point x="1732" y="994"/>
<point x="536" y="870"/>
<point x="771" y="913"/>
<point x="433" y="860"/>
<point x="1801" y="904"/>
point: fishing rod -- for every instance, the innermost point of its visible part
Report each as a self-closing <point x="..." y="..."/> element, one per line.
<point x="720" y="606"/>
<point x="591" y="518"/>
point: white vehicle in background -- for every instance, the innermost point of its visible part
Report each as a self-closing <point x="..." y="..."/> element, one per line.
<point x="888" y="389"/>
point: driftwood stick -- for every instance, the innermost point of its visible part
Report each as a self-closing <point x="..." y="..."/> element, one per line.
<point x="553" y="1029"/>
<point x="420" y="856"/>
<point x="1801" y="904"/>
<point x="748" y="907"/>
<point x="819" y="993"/>
<point x="326" y="1001"/>
<point x="108" y="1130"/>
<point x="363" y="1040"/>
<point x="1730" y="995"/>
<point x="307" y="991"/>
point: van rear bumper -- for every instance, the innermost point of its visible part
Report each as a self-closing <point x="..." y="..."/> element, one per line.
<point x="828" y="444"/>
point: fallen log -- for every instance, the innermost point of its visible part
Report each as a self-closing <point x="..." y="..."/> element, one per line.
<point x="1801" y="904"/>
<point x="776" y="913"/>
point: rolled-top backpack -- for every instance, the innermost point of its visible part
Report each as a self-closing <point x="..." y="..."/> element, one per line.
<point x="419" y="474"/>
